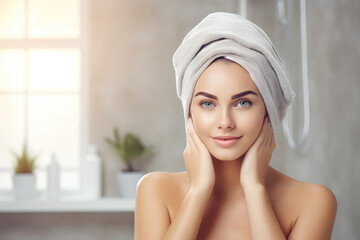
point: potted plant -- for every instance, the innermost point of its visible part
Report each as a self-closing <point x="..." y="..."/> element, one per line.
<point x="24" y="179"/>
<point x="129" y="149"/>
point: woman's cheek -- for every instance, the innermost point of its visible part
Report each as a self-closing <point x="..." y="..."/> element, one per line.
<point x="252" y="125"/>
<point x="202" y="123"/>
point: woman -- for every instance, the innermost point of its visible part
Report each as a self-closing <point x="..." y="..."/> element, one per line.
<point x="234" y="90"/>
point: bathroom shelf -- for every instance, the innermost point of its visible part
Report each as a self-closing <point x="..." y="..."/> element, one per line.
<point x="9" y="205"/>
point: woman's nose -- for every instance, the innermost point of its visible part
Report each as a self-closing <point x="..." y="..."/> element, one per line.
<point x="225" y="120"/>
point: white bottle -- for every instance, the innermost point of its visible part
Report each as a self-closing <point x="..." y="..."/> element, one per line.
<point x="92" y="174"/>
<point x="53" y="179"/>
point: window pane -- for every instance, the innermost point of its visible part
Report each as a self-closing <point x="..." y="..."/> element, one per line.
<point x="12" y="18"/>
<point x="54" y="69"/>
<point x="6" y="180"/>
<point x="11" y="70"/>
<point x="70" y="180"/>
<point x="41" y="179"/>
<point x="54" y="127"/>
<point x="11" y="128"/>
<point x="54" y="19"/>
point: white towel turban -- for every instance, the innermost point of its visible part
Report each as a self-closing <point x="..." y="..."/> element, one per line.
<point x="239" y="40"/>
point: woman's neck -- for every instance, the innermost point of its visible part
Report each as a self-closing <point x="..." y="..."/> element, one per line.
<point x="227" y="180"/>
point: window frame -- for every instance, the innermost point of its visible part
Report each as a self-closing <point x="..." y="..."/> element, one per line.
<point x="79" y="43"/>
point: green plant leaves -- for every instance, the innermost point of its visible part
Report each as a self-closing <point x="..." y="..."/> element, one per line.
<point x="128" y="149"/>
<point x="133" y="146"/>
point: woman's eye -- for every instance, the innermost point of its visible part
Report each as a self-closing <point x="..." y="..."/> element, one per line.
<point x="244" y="103"/>
<point x="207" y="104"/>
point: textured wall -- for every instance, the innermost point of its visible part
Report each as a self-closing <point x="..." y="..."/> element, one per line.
<point x="331" y="155"/>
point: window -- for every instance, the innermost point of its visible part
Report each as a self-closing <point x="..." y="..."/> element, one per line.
<point x="42" y="87"/>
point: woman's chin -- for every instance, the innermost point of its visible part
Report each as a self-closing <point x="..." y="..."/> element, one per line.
<point x="226" y="156"/>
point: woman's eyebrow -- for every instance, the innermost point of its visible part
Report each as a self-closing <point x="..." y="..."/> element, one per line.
<point x="232" y="98"/>
<point x="243" y="94"/>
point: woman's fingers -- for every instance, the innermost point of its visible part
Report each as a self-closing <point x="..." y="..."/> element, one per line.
<point x="267" y="131"/>
<point x="197" y="159"/>
<point x="266" y="139"/>
<point x="193" y="141"/>
<point x="270" y="134"/>
<point x="261" y="139"/>
<point x="193" y="135"/>
<point x="191" y="130"/>
<point x="258" y="156"/>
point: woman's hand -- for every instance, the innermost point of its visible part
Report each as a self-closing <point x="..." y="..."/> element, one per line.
<point x="198" y="161"/>
<point x="257" y="158"/>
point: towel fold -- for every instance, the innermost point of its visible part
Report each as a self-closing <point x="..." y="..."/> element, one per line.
<point x="240" y="40"/>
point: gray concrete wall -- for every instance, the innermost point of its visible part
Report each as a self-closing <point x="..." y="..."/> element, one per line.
<point x="331" y="155"/>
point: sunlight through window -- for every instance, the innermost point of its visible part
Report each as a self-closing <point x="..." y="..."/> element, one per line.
<point x="41" y="87"/>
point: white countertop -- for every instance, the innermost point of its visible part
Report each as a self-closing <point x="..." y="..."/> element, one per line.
<point x="10" y="205"/>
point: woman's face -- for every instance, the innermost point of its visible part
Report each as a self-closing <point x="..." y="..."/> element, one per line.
<point x="226" y="102"/>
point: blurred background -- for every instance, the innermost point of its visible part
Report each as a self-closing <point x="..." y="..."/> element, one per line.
<point x="72" y="70"/>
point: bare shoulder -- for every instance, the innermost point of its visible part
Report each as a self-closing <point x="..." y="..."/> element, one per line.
<point x="163" y="176"/>
<point x="154" y="195"/>
<point x="162" y="179"/>
<point x="309" y="193"/>
<point x="163" y="184"/>
<point x="317" y="193"/>
<point x="309" y="208"/>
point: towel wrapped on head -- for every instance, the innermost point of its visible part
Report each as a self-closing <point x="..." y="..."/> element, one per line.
<point x="235" y="38"/>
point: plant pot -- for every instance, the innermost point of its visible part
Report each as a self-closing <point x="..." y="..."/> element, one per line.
<point x="24" y="186"/>
<point x="127" y="182"/>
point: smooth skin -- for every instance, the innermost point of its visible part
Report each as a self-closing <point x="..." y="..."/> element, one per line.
<point x="230" y="192"/>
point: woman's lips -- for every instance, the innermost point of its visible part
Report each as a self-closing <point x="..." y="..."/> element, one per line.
<point x="226" y="142"/>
